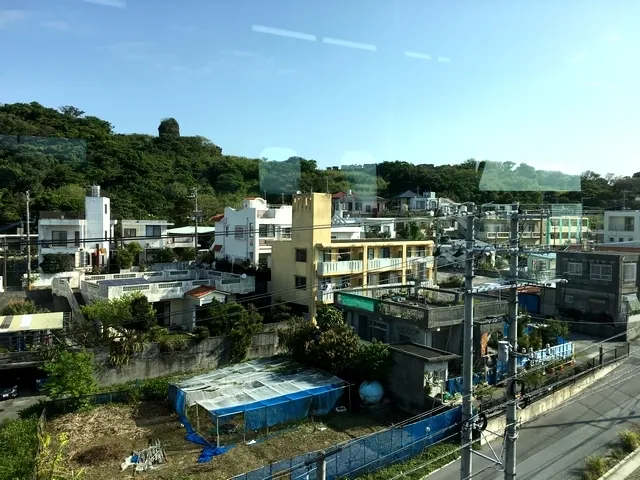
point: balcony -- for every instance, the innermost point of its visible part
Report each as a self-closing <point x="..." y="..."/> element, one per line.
<point x="382" y="263"/>
<point x="345" y="267"/>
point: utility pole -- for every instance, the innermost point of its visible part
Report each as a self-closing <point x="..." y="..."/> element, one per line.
<point x="541" y="218"/>
<point x="5" y="255"/>
<point x="28" y="197"/>
<point x="512" y="406"/>
<point x="194" y="194"/>
<point x="467" y="354"/>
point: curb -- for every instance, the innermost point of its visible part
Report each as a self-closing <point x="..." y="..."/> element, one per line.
<point x="620" y="464"/>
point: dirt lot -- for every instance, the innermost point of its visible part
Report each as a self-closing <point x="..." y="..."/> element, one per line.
<point x="100" y="439"/>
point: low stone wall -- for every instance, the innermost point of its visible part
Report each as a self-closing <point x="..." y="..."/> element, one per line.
<point x="152" y="363"/>
<point x="542" y="406"/>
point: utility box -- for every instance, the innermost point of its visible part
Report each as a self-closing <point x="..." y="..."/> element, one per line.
<point x="503" y="351"/>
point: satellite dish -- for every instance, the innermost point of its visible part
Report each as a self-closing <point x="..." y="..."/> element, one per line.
<point x="298" y="192"/>
<point x="243" y="276"/>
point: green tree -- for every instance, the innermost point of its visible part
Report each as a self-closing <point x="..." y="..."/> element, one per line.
<point x="57" y="263"/>
<point x="117" y="312"/>
<point x="412" y="232"/>
<point x="335" y="351"/>
<point x="188" y="254"/>
<point x="237" y="324"/>
<point x="21" y="307"/>
<point x="69" y="375"/>
<point x="165" y="255"/>
<point x="328" y="317"/>
<point x="373" y="362"/>
<point x="125" y="258"/>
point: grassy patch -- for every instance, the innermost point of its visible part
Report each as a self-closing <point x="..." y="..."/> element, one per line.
<point x="433" y="458"/>
<point x="18" y="445"/>
<point x="101" y="438"/>
<point x="597" y="465"/>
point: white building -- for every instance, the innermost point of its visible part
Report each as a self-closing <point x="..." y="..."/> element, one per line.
<point x="150" y="234"/>
<point x="175" y="294"/>
<point x="243" y="234"/>
<point x="621" y="226"/>
<point x="345" y="227"/>
<point x="86" y="236"/>
<point x="356" y="205"/>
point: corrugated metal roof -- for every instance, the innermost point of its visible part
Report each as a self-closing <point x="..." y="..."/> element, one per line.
<point x="35" y="322"/>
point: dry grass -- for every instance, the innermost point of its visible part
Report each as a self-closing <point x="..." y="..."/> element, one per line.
<point x="99" y="441"/>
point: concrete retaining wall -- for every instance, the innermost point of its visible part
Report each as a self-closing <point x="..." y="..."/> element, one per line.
<point x="151" y="363"/>
<point x="542" y="406"/>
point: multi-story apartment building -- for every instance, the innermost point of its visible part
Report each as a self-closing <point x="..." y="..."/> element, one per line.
<point x="344" y="227"/>
<point x="85" y="235"/>
<point x="424" y="202"/>
<point x="311" y="266"/>
<point x="243" y="235"/>
<point x="564" y="225"/>
<point x="356" y="205"/>
<point x="621" y="226"/>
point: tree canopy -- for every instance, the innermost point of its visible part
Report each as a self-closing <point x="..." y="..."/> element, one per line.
<point x="57" y="153"/>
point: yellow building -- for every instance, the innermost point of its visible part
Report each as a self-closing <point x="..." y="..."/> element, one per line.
<point x="310" y="267"/>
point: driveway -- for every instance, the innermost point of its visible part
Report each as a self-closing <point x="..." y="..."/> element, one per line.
<point x="9" y="409"/>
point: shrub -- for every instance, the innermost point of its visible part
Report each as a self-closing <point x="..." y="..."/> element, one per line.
<point x="595" y="467"/>
<point x="156" y="333"/>
<point x="154" y="389"/>
<point x="630" y="440"/>
<point x="18" y="444"/>
<point x="70" y="374"/>
<point x="21" y="307"/>
<point x="57" y="263"/>
<point x="201" y="333"/>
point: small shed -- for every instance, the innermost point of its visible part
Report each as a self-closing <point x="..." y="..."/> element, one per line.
<point x="419" y="372"/>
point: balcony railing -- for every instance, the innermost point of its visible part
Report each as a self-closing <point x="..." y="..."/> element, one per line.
<point x="380" y="263"/>
<point x="345" y="267"/>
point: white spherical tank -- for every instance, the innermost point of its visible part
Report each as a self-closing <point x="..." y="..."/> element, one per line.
<point x="371" y="392"/>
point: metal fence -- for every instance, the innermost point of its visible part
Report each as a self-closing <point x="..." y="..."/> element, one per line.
<point x="366" y="454"/>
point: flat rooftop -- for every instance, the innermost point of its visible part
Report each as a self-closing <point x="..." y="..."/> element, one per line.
<point x="423" y="352"/>
<point x="121" y="282"/>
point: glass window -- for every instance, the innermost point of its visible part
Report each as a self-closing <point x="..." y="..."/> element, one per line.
<point x="239" y="232"/>
<point x="59" y="238"/>
<point x="301" y="283"/>
<point x="575" y="268"/>
<point x="301" y="255"/>
<point x="154" y="231"/>
<point x="629" y="272"/>
<point x="601" y="272"/>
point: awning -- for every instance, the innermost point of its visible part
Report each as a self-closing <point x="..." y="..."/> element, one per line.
<point x="31" y="323"/>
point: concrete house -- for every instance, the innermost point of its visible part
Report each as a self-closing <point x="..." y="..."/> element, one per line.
<point x="599" y="285"/>
<point x="86" y="236"/>
<point x="245" y="234"/>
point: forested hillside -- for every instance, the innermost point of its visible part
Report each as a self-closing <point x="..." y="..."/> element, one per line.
<point x="58" y="153"/>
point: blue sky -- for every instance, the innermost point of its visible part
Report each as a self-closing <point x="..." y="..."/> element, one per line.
<point x="547" y="82"/>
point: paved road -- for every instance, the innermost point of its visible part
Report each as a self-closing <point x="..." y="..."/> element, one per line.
<point x="9" y="409"/>
<point x="555" y="445"/>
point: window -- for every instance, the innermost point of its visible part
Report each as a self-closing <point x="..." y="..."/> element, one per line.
<point x="105" y="209"/>
<point x="367" y="208"/>
<point x="301" y="255"/>
<point x="154" y="231"/>
<point x="575" y="269"/>
<point x="130" y="232"/>
<point x="226" y="231"/>
<point x="628" y="224"/>
<point x="358" y="206"/>
<point x="600" y="272"/>
<point x="385" y="252"/>
<point x="611" y="239"/>
<point x="239" y="232"/>
<point x="106" y="235"/>
<point x="568" y="299"/>
<point x="629" y="273"/>
<point x="76" y="238"/>
<point x="286" y="232"/>
<point x="301" y="283"/>
<point x="58" y="238"/>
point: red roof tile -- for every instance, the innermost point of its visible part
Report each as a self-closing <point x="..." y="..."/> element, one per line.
<point x="201" y="291"/>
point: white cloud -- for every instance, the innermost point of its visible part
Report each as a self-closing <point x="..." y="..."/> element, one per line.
<point x="109" y="3"/>
<point x="59" y="25"/>
<point x="11" y="16"/>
